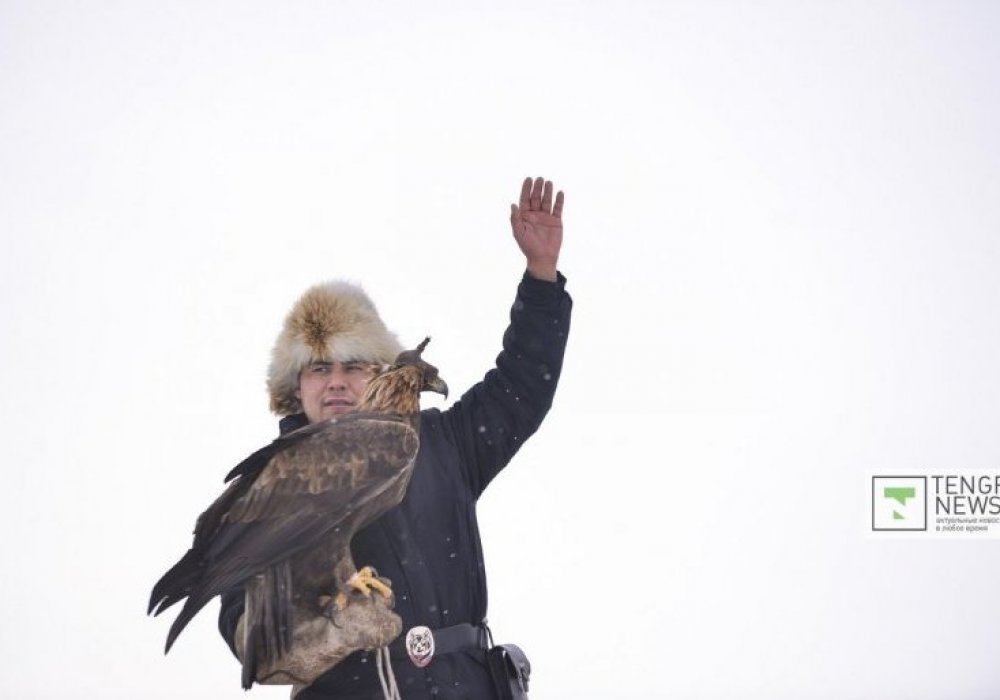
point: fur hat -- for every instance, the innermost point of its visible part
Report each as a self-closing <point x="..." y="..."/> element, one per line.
<point x="331" y="321"/>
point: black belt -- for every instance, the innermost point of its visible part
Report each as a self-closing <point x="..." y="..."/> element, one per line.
<point x="414" y="644"/>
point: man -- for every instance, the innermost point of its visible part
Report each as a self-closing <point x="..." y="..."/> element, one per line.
<point x="429" y="545"/>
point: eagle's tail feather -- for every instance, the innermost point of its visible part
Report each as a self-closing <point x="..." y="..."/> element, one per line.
<point x="250" y="658"/>
<point x="176" y="584"/>
<point x="195" y="602"/>
<point x="278" y="610"/>
<point x="269" y="619"/>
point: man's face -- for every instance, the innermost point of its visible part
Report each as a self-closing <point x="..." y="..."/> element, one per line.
<point x="328" y="389"/>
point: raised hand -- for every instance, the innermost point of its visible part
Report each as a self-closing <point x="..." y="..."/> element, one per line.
<point x="537" y="226"/>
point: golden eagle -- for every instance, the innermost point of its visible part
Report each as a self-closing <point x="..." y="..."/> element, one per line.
<point x="283" y="527"/>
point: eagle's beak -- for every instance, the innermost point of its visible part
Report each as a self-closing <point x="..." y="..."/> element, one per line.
<point x="437" y="384"/>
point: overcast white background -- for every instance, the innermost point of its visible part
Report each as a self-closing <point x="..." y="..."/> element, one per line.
<point x="782" y="225"/>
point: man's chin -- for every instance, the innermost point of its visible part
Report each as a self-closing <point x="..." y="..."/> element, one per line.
<point x="335" y="410"/>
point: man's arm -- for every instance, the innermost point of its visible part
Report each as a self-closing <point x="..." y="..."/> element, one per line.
<point x="496" y="416"/>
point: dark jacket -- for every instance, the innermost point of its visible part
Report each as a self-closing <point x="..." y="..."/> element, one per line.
<point x="429" y="545"/>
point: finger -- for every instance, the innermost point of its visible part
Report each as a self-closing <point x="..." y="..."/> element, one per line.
<point x="547" y="197"/>
<point x="536" y="194"/>
<point x="525" y="193"/>
<point x="557" y="209"/>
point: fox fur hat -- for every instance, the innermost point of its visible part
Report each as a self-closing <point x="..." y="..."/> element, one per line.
<point x="331" y="321"/>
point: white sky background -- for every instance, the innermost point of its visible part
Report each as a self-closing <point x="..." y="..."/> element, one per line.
<point x="782" y="227"/>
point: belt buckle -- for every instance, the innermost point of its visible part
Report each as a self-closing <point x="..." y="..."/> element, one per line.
<point x="420" y="645"/>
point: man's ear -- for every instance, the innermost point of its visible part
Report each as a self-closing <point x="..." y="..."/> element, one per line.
<point x="298" y="394"/>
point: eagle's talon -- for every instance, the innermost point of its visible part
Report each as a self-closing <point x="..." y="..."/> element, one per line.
<point x="361" y="583"/>
<point x="365" y="580"/>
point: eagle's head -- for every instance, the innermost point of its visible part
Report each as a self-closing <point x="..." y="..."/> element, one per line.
<point x="431" y="381"/>
<point x="397" y="389"/>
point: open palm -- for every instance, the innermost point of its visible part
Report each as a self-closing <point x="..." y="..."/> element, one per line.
<point x="537" y="225"/>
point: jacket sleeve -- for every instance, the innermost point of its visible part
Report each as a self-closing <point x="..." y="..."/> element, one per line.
<point x="230" y="614"/>
<point x="493" y="419"/>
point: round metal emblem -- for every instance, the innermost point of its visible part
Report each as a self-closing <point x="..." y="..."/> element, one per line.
<point x="420" y="645"/>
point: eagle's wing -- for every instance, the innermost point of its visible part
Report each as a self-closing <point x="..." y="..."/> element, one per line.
<point x="303" y="494"/>
<point x="177" y="583"/>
